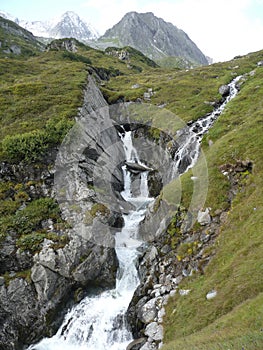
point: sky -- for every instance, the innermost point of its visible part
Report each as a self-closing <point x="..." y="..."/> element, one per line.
<point x="221" y="29"/>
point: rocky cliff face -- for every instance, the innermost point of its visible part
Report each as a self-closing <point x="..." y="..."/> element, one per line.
<point x="35" y="285"/>
<point x="154" y="37"/>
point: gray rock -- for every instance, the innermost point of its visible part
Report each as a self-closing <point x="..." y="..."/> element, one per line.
<point x="212" y="294"/>
<point x="47" y="258"/>
<point x="148" y="311"/>
<point x="224" y="90"/>
<point x="154" y="331"/>
<point x="136" y="86"/>
<point x="149" y="346"/>
<point x="99" y="268"/>
<point x="204" y="217"/>
<point x="45" y="282"/>
<point x="136" y="344"/>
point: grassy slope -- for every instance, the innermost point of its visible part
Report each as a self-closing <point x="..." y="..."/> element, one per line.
<point x="50" y="86"/>
<point x="235" y="317"/>
<point x="12" y="34"/>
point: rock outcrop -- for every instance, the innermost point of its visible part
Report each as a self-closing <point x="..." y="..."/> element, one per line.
<point x="34" y="286"/>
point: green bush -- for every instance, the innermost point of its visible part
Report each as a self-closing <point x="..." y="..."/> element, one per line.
<point x="29" y="146"/>
<point x="32" y="146"/>
<point x="34" y="240"/>
<point x="74" y="57"/>
<point x="8" y="206"/>
<point x="56" y="129"/>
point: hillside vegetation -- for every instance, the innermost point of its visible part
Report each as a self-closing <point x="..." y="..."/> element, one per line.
<point x="39" y="98"/>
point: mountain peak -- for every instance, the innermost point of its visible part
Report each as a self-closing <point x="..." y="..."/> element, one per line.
<point x="154" y="37"/>
<point x="71" y="25"/>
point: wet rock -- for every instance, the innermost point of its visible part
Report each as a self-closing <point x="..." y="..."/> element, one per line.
<point x="99" y="268"/>
<point x="136" y="344"/>
<point x="137" y="168"/>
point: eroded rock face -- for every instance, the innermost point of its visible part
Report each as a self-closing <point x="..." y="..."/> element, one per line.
<point x="36" y="286"/>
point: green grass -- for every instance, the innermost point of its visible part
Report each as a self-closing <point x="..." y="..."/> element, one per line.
<point x="187" y="93"/>
<point x="42" y="94"/>
<point x="235" y="317"/>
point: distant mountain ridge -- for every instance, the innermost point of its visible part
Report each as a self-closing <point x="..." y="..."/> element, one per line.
<point x="145" y="32"/>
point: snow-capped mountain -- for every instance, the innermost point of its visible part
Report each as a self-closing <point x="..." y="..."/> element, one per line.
<point x="68" y="25"/>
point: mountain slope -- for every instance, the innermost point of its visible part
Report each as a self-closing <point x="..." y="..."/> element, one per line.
<point x="154" y="37"/>
<point x="15" y="40"/>
<point x="234" y="318"/>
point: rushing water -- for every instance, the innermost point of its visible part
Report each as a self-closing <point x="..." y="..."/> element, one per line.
<point x="98" y="322"/>
<point x="191" y="136"/>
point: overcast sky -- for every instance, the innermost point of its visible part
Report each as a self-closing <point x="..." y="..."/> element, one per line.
<point x="222" y="29"/>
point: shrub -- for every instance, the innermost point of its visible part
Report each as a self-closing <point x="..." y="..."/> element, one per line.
<point x="34" y="240"/>
<point x="32" y="146"/>
<point x="28" y="146"/>
<point x="74" y="57"/>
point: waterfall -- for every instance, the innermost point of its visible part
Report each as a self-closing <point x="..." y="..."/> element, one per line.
<point x="98" y="322"/>
<point x="189" y="138"/>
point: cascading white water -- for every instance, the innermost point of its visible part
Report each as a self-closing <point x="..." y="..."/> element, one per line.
<point x="192" y="135"/>
<point x="98" y="322"/>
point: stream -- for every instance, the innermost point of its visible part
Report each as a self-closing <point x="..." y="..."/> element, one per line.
<point x="98" y="321"/>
